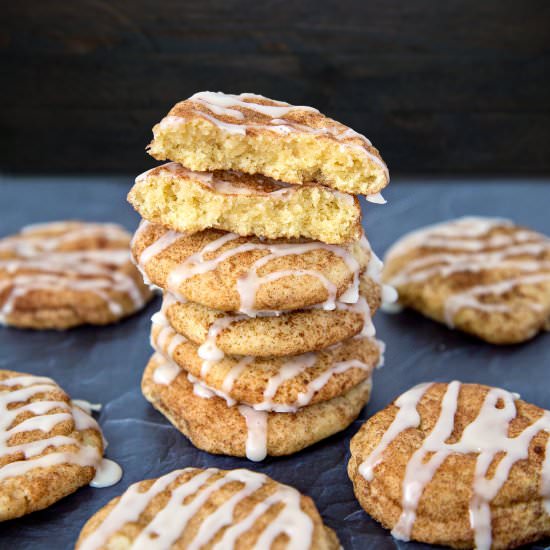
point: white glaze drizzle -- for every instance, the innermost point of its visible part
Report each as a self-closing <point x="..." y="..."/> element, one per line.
<point x="86" y="406"/>
<point x="27" y="244"/>
<point x="155" y="248"/>
<point x="374" y="272"/>
<point x="362" y="308"/>
<point x="209" y="350"/>
<point x="169" y="524"/>
<point x="45" y="421"/>
<point x="200" y="389"/>
<point x="107" y="474"/>
<point x="235" y="372"/>
<point x="166" y="373"/>
<point x="256" y="438"/>
<point x="376" y="198"/>
<point x="486" y="436"/>
<point x="467" y="248"/>
<point x="78" y="270"/>
<point x="167" y="239"/>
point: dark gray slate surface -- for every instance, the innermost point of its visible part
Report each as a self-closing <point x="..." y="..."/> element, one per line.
<point x="105" y="364"/>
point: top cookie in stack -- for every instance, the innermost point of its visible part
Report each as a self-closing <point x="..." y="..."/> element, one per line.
<point x="267" y="168"/>
<point x="265" y="343"/>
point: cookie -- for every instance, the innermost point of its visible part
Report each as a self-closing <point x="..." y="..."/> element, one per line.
<point x="62" y="274"/>
<point x="49" y="446"/>
<point x="461" y="465"/>
<point x="214" y="509"/>
<point x="485" y="276"/>
<point x="239" y="430"/>
<point x="280" y="384"/>
<point x="289" y="333"/>
<point x="245" y="204"/>
<point x="257" y="135"/>
<point x="223" y="271"/>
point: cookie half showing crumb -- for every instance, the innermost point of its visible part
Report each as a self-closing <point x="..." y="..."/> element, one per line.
<point x="301" y="331"/>
<point x="279" y="384"/>
<point x="62" y="274"/>
<point x="49" y="446"/>
<point x="462" y="465"/>
<point x="245" y="204"/>
<point x="214" y="426"/>
<point x="249" y="275"/>
<point x="211" y="508"/>
<point x="256" y="135"/>
<point x="485" y="276"/>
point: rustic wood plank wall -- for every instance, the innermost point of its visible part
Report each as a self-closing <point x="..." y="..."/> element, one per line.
<point x="440" y="86"/>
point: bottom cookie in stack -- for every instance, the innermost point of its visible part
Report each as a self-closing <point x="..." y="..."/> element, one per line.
<point x="252" y="406"/>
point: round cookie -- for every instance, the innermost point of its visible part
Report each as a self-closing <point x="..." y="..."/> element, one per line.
<point x="230" y="273"/>
<point x="258" y="135"/>
<point x="208" y="509"/>
<point x="485" y="276"/>
<point x="213" y="426"/>
<point x="461" y="465"/>
<point x="280" y="384"/>
<point x="245" y="204"/>
<point x="49" y="447"/>
<point x="62" y="274"/>
<point x="289" y="333"/>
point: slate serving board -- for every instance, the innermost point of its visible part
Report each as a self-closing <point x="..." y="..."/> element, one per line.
<point x="105" y="364"/>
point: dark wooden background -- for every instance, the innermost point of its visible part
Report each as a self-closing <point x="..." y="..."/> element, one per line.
<point x="440" y="86"/>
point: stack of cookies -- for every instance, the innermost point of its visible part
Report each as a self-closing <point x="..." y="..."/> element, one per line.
<point x="264" y="343"/>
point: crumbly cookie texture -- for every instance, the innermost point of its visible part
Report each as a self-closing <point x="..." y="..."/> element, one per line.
<point x="245" y="204"/>
<point x="238" y="430"/>
<point x="289" y="333"/>
<point x="485" y="276"/>
<point x="62" y="274"/>
<point x="223" y="271"/>
<point x="462" y="465"/>
<point x="257" y="135"/>
<point x="209" y="508"/>
<point x="49" y="447"/>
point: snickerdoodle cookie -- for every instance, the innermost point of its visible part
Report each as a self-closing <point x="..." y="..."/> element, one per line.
<point x="244" y="204"/>
<point x="62" y="274"/>
<point x="288" y="333"/>
<point x="208" y="509"/>
<point x="257" y="135"/>
<point x="485" y="276"/>
<point x="49" y="446"/>
<point x="462" y="465"/>
<point x="227" y="272"/>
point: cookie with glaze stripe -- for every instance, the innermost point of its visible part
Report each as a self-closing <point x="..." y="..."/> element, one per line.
<point x="281" y="384"/>
<point x="486" y="276"/>
<point x="239" y="430"/>
<point x="288" y="333"/>
<point x="249" y="275"/>
<point x="208" y="509"/>
<point x="257" y="135"/>
<point x="188" y="202"/>
<point x="62" y="274"/>
<point x="462" y="465"/>
<point x="49" y="445"/>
